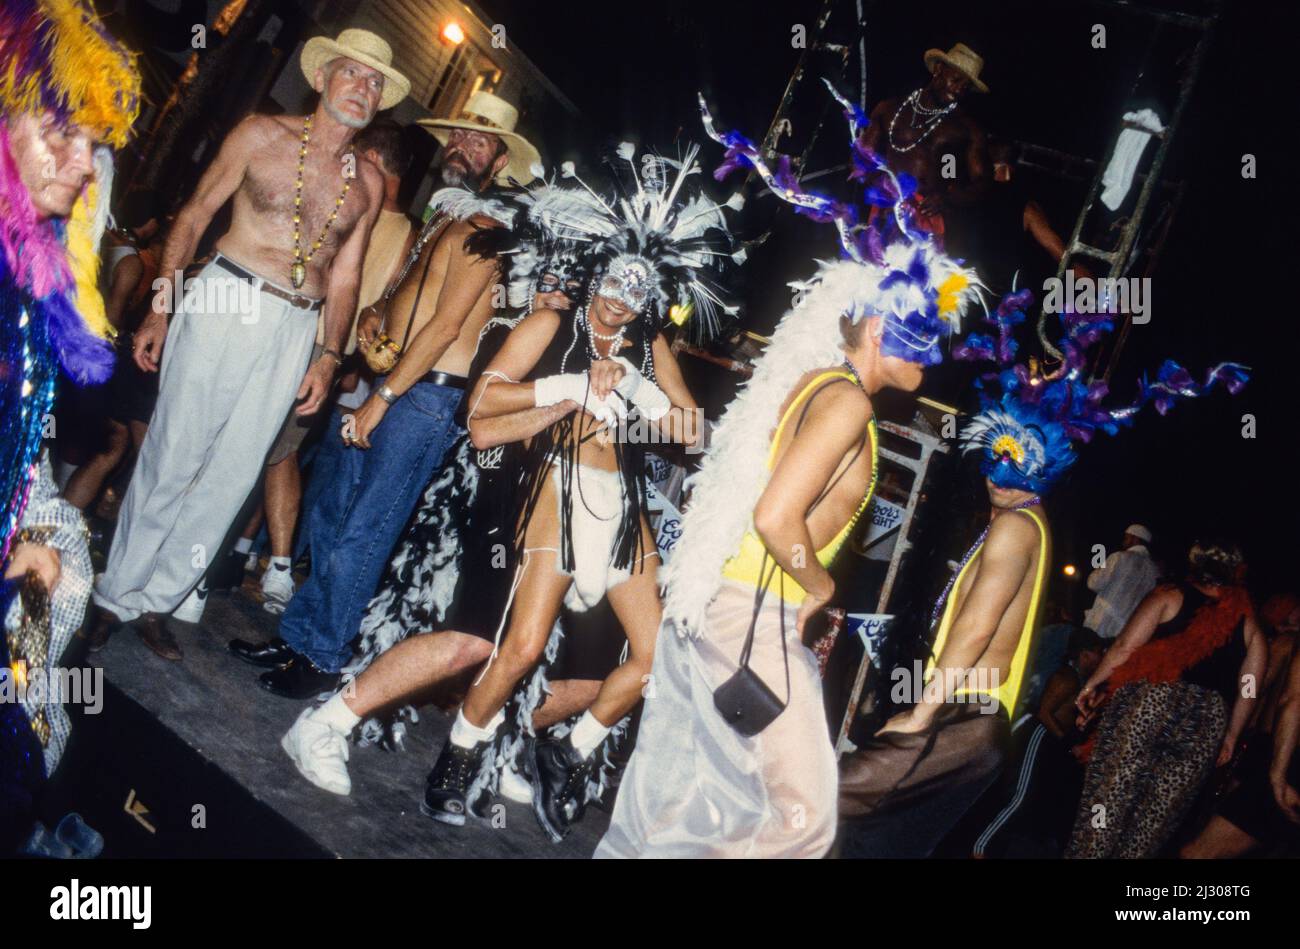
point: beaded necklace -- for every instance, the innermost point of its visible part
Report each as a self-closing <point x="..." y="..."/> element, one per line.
<point x="931" y="117"/>
<point x="298" y="270"/>
<point x="943" y="597"/>
<point x="592" y="336"/>
<point x="851" y="370"/>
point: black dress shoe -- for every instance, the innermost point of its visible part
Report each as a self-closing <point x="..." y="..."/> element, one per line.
<point x="153" y="632"/>
<point x="102" y="625"/>
<point x="270" y="655"/>
<point x="299" y="679"/>
<point x="447" y="786"/>
<point x="559" y="775"/>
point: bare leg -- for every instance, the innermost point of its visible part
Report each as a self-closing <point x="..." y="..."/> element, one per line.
<point x="537" y="602"/>
<point x="536" y="607"/>
<point x="317" y="742"/>
<point x="568" y="697"/>
<point x="254" y="521"/>
<point x="1220" y="840"/>
<point x="636" y="604"/>
<point x="84" y="485"/>
<point x="415" y="663"/>
<point x="283" y="496"/>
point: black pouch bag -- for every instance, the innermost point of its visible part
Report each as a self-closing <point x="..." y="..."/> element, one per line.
<point x="744" y="700"/>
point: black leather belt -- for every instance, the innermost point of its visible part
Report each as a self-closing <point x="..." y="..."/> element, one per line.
<point x="302" y="303"/>
<point x="444" y="379"/>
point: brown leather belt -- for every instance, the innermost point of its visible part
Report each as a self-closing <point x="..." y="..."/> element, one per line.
<point x="302" y="303"/>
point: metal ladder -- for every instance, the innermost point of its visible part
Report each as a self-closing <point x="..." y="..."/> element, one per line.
<point x="1119" y="259"/>
<point x="817" y="42"/>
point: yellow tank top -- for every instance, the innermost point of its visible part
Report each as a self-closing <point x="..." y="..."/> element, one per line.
<point x="747" y="564"/>
<point x="1008" y="692"/>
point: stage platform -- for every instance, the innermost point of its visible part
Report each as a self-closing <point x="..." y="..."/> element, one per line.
<point x="185" y="760"/>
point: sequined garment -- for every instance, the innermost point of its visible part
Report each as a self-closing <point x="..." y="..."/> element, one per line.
<point x="56" y="59"/>
<point x="21" y="769"/>
<point x="27" y="383"/>
<point x="27" y="376"/>
<point x="38" y="631"/>
<point x="27" y="379"/>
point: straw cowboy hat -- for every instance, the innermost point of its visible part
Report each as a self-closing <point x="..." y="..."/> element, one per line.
<point x="485" y="112"/>
<point x="961" y="58"/>
<point x="364" y="47"/>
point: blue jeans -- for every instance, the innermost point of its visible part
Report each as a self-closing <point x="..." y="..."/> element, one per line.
<point x="324" y="458"/>
<point x="359" y="517"/>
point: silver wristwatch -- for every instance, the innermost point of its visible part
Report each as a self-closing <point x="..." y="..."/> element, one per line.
<point x="387" y="394"/>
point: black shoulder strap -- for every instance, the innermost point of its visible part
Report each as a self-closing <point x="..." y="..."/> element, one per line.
<point x="760" y="592"/>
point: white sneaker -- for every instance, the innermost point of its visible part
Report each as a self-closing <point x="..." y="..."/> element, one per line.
<point x="515" y="787"/>
<point x="191" y="608"/>
<point x="319" y="752"/>
<point x="277" y="588"/>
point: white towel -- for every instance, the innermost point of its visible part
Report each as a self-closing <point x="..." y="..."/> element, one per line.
<point x="1118" y="178"/>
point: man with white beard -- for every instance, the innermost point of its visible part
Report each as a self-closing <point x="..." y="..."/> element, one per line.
<point x="237" y="353"/>
<point x="399" y="435"/>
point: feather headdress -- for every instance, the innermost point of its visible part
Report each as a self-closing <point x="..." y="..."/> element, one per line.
<point x="920" y="292"/>
<point x="55" y="57"/>
<point x="655" y="246"/>
<point x="903" y="276"/>
<point x="1031" y="420"/>
<point x="527" y="247"/>
<point x="660" y="245"/>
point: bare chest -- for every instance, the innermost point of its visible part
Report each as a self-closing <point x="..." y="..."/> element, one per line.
<point x="274" y="196"/>
<point x="918" y="145"/>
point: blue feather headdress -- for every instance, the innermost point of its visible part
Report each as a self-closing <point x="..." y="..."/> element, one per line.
<point x="904" y="276"/>
<point x="1030" y="421"/>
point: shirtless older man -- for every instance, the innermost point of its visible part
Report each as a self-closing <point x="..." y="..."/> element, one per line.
<point x="400" y="434"/>
<point x="236" y="355"/>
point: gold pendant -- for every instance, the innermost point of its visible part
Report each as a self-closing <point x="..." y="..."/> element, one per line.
<point x="298" y="274"/>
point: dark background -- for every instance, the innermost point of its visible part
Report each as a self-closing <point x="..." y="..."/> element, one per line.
<point x="1222" y="289"/>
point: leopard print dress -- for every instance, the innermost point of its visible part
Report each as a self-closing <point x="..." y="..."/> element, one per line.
<point x="1156" y="745"/>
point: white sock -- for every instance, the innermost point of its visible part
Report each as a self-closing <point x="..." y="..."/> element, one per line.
<point x="336" y="714"/>
<point x="465" y="734"/>
<point x="588" y="734"/>
<point x="280" y="563"/>
<point x="244" y="545"/>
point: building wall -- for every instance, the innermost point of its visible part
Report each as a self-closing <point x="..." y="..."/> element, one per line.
<point x="443" y="74"/>
<point x="442" y="77"/>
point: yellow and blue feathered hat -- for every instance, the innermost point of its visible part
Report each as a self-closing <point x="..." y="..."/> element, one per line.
<point x="903" y="275"/>
<point x="1030" y="420"/>
<point x="56" y="57"/>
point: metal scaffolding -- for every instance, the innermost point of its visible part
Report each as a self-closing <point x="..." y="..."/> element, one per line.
<point x="1130" y="238"/>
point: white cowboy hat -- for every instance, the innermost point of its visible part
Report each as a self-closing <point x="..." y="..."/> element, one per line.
<point x="485" y="112"/>
<point x="961" y="58"/>
<point x="363" y="47"/>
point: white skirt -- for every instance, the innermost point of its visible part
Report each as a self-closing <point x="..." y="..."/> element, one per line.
<point x="695" y="787"/>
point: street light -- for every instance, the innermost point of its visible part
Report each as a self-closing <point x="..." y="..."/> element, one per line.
<point x="1069" y="570"/>
<point x="453" y="34"/>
